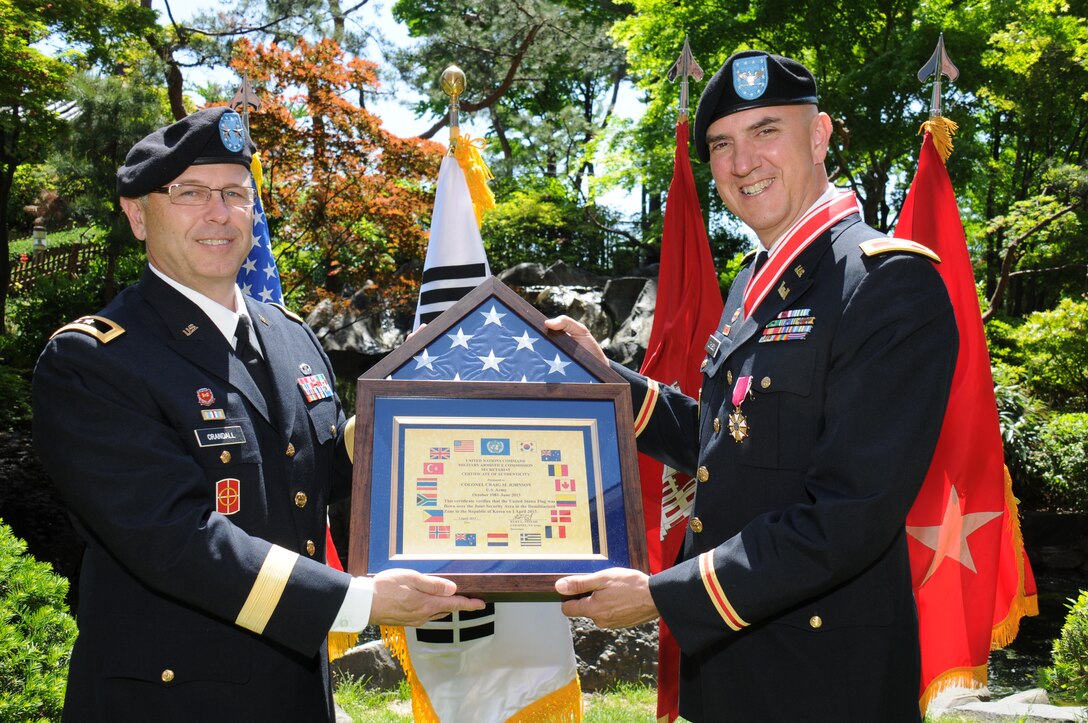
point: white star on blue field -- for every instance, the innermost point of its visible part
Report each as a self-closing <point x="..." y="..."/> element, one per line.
<point x="493" y="344"/>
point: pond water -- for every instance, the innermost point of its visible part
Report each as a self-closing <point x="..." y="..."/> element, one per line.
<point x="1012" y="669"/>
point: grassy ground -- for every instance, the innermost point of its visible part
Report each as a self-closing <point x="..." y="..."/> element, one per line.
<point x="625" y="704"/>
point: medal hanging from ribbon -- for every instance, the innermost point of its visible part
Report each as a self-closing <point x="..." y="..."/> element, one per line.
<point x="738" y="423"/>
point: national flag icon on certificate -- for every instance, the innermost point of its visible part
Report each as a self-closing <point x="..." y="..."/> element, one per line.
<point x="557" y="470"/>
<point x="434" y="516"/>
<point x="566" y="500"/>
<point x="551" y="455"/>
<point x="526" y="446"/>
<point x="498" y="539"/>
<point x="434" y="467"/>
<point x="440" y="452"/>
<point x="553" y="532"/>
<point x="464" y="445"/>
<point x="439" y="532"/>
<point x="495" y="446"/>
<point x="565" y="485"/>
<point x="530" y="539"/>
<point x="560" y="515"/>
<point x="465" y="539"/>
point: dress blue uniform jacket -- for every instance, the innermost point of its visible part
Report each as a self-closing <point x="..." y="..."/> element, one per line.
<point x="192" y="606"/>
<point x="792" y="597"/>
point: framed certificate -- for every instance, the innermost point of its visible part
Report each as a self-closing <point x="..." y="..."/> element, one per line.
<point x="500" y="487"/>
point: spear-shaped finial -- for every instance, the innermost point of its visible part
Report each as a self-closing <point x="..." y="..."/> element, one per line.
<point x="244" y="98"/>
<point x="938" y="64"/>
<point x="939" y="127"/>
<point x="453" y="85"/>
<point x="685" y="67"/>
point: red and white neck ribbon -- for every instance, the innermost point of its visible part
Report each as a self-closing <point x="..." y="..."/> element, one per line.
<point x="818" y="219"/>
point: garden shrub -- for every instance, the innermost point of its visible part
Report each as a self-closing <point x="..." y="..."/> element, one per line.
<point x="36" y="635"/>
<point x="1066" y="681"/>
<point x="1064" y="447"/>
<point x="1054" y="345"/>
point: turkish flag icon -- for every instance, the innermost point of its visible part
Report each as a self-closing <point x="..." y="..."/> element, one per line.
<point x="227" y="499"/>
<point x="433" y="467"/>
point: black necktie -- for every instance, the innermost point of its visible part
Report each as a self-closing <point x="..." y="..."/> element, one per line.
<point x="761" y="258"/>
<point x="253" y="361"/>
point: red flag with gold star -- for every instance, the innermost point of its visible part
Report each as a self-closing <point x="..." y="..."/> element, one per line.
<point x="689" y="305"/>
<point x="972" y="580"/>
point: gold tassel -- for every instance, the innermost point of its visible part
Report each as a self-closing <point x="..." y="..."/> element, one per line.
<point x="956" y="678"/>
<point x="340" y="643"/>
<point x="1023" y="605"/>
<point x="258" y="172"/>
<point x="467" y="152"/>
<point x="422" y="709"/>
<point x="942" y="129"/>
<point x="560" y="706"/>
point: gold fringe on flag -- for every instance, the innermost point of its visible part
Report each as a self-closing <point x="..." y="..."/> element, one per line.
<point x="560" y="706"/>
<point x="942" y="129"/>
<point x="974" y="677"/>
<point x="422" y="710"/>
<point x="467" y="152"/>
<point x="1023" y="605"/>
<point x="340" y="643"/>
<point x="258" y="172"/>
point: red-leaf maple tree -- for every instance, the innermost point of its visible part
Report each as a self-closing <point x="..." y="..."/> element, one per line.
<point x="348" y="202"/>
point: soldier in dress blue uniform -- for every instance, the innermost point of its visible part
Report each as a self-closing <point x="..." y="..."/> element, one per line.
<point x="197" y="440"/>
<point x="823" y="392"/>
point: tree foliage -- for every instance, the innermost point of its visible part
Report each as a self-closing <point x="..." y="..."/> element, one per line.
<point x="348" y="202"/>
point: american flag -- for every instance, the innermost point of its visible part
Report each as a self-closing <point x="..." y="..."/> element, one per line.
<point x="259" y="276"/>
<point x="464" y="445"/>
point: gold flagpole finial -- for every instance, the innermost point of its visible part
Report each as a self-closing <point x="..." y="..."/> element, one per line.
<point x="453" y="85"/>
<point x="685" y="67"/>
<point x="939" y="127"/>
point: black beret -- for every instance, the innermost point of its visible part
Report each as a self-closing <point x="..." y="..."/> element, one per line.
<point x="751" y="79"/>
<point x="212" y="135"/>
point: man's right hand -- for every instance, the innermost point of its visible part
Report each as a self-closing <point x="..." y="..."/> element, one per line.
<point x="577" y="331"/>
<point x="407" y="597"/>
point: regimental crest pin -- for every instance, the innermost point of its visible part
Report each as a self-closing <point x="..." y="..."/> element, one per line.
<point x="205" y="397"/>
<point x="750" y="76"/>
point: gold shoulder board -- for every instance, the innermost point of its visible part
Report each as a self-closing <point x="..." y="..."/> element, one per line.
<point x="884" y="245"/>
<point x="288" y="313"/>
<point x="101" y="328"/>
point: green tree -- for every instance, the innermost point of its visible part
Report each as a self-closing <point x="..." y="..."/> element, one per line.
<point x="1054" y="345"/>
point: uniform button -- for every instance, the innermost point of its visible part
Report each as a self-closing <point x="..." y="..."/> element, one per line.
<point x="167" y="675"/>
<point x="290" y="450"/>
<point x="332" y="429"/>
<point x="729" y="377"/>
<point x="311" y="548"/>
<point x="225" y="457"/>
<point x="702" y="474"/>
<point x="815" y="622"/>
<point x="765" y="382"/>
<point x="696" y="525"/>
<point x="300" y="499"/>
<point x="717" y="425"/>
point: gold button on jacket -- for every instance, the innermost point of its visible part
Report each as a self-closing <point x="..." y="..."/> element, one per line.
<point x="311" y="548"/>
<point x="717" y="425"/>
<point x="167" y="675"/>
<point x="815" y="622"/>
<point x="696" y="525"/>
<point x="702" y="474"/>
<point x="225" y="457"/>
<point x="290" y="450"/>
<point x="300" y="499"/>
<point x="765" y="382"/>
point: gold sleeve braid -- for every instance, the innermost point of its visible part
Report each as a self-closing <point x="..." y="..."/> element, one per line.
<point x="267" y="590"/>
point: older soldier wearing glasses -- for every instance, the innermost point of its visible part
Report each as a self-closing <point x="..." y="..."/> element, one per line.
<point x="197" y="440"/>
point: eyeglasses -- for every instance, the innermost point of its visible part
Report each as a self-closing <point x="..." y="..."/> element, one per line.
<point x="192" y="194"/>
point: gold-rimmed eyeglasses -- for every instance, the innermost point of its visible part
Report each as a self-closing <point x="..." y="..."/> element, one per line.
<point x="193" y="194"/>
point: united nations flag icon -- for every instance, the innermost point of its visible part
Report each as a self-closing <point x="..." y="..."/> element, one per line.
<point x="750" y="76"/>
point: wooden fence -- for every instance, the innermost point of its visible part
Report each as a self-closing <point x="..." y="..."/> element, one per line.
<point x="70" y="259"/>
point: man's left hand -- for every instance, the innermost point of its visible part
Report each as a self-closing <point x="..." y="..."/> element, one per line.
<point x="618" y="597"/>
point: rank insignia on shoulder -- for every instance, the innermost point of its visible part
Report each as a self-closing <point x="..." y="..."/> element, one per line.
<point x="288" y="313"/>
<point x="884" y="245"/>
<point x="101" y="328"/>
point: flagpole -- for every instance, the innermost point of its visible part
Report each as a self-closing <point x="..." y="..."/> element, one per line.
<point x="453" y="85"/>
<point x="685" y="67"/>
<point x="938" y="126"/>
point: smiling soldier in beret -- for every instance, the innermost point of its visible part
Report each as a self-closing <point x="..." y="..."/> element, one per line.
<point x="197" y="440"/>
<point x="823" y="392"/>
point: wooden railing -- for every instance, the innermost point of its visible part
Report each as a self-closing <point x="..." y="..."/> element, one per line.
<point x="68" y="259"/>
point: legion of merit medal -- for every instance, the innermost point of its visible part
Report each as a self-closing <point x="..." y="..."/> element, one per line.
<point x="738" y="423"/>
